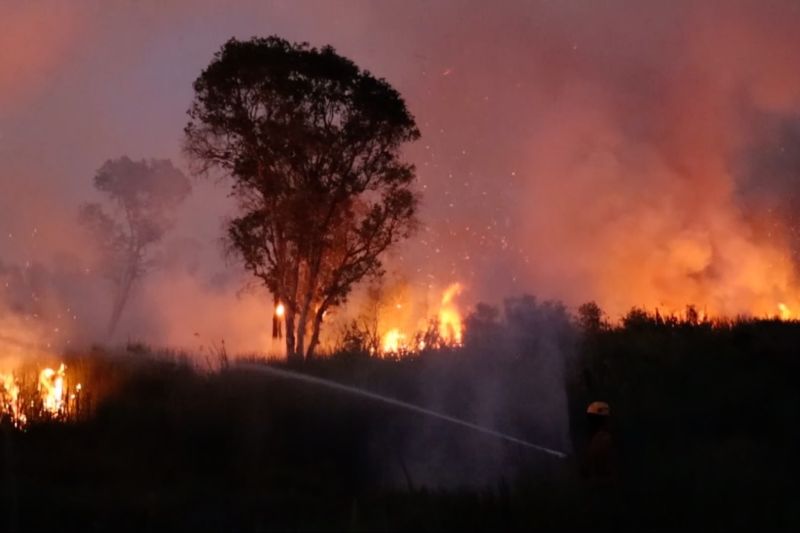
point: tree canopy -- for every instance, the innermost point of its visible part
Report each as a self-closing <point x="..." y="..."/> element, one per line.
<point x="311" y="144"/>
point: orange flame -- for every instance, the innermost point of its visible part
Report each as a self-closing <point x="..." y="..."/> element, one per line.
<point x="450" y="327"/>
<point x="49" y="397"/>
<point x="393" y="341"/>
<point x="51" y="388"/>
<point x="10" y="398"/>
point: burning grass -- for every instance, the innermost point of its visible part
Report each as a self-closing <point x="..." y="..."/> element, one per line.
<point x="29" y="395"/>
<point x="395" y="323"/>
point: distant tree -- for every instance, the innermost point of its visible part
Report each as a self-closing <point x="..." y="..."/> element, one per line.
<point x="361" y="334"/>
<point x="524" y="311"/>
<point x="141" y="198"/>
<point x="355" y="338"/>
<point x="692" y="315"/>
<point x="638" y="318"/>
<point x="483" y="326"/>
<point x="312" y="145"/>
<point x="591" y="318"/>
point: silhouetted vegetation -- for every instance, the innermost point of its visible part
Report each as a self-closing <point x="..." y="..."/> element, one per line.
<point x="703" y="415"/>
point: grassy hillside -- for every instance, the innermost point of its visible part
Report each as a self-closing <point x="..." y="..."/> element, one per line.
<point x="704" y="419"/>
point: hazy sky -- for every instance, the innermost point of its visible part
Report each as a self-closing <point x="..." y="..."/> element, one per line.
<point x="637" y="153"/>
<point x="83" y="84"/>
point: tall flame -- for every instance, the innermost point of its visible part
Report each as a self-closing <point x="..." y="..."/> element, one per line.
<point x="10" y="398"/>
<point x="393" y="341"/>
<point x="51" y="388"/>
<point x="450" y="325"/>
<point x="47" y="397"/>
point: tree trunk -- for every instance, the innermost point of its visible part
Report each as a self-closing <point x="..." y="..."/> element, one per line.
<point x="301" y="334"/>
<point x="304" y="311"/>
<point x="314" y="342"/>
<point x="291" y="354"/>
<point x="120" y="299"/>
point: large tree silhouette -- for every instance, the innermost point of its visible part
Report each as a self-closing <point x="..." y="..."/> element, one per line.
<point x="141" y="198"/>
<point x="311" y="144"/>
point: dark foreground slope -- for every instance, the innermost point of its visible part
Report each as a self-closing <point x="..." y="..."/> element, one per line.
<point x="705" y="422"/>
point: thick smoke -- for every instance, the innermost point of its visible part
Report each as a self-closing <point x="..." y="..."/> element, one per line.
<point x="613" y="152"/>
<point x="632" y="153"/>
<point x="643" y="156"/>
<point x="510" y="376"/>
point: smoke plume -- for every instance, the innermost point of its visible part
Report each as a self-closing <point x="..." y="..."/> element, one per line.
<point x="631" y="153"/>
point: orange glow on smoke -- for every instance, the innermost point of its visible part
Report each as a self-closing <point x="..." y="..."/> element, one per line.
<point x="740" y="277"/>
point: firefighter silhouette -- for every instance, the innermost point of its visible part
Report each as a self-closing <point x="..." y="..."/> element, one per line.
<point x="599" y="458"/>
